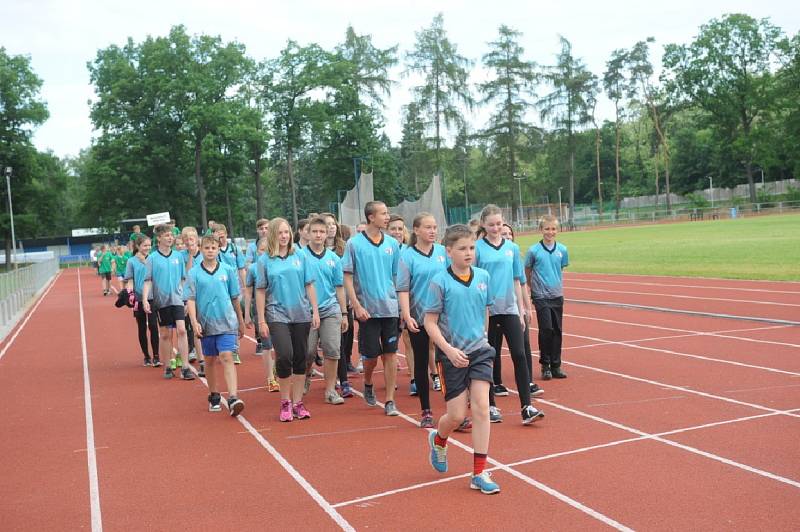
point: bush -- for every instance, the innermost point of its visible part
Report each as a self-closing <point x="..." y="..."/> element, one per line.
<point x="697" y="201"/>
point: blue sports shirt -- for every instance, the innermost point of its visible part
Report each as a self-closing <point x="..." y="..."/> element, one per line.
<point x="136" y="270"/>
<point x="285" y="280"/>
<point x="374" y="268"/>
<point x="251" y="253"/>
<point x="504" y="265"/>
<point x="166" y="273"/>
<point x="231" y="256"/>
<point x="414" y="274"/>
<point x="328" y="275"/>
<point x="461" y="306"/>
<point x="212" y="292"/>
<point x="546" y="265"/>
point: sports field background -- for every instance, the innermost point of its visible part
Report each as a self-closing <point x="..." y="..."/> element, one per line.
<point x="764" y="247"/>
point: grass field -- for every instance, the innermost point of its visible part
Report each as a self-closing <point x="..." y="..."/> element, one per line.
<point x="766" y="247"/>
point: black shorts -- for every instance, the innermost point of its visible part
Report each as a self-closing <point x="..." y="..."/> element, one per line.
<point x="105" y="275"/>
<point x="378" y="336"/>
<point x="456" y="380"/>
<point x="167" y="316"/>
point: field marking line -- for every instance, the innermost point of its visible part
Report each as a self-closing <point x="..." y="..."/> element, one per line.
<point x="528" y="480"/>
<point x="640" y="401"/>
<point x="10" y="342"/>
<point x="91" y="454"/>
<point x="680" y="296"/>
<point x="689" y="277"/>
<point x="338" y="432"/>
<point x="321" y="501"/>
<point x="702" y="287"/>
<point x="762" y="388"/>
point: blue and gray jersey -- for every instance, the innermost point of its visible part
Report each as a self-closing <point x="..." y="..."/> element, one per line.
<point x="212" y="292"/>
<point x="136" y="270"/>
<point x="504" y="264"/>
<point x="328" y="276"/>
<point x="166" y="273"/>
<point x="231" y="256"/>
<point x="285" y="280"/>
<point x="414" y="274"/>
<point x="546" y="265"/>
<point x="461" y="306"/>
<point x="374" y="268"/>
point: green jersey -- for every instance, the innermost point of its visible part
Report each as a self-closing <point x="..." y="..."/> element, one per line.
<point x="122" y="262"/>
<point x="105" y="262"/>
<point x="134" y="235"/>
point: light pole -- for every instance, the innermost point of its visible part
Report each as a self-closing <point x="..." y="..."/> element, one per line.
<point x="519" y="189"/>
<point x="11" y="216"/>
<point x="711" y="188"/>
<point x="560" y="212"/>
<point x="762" y="177"/>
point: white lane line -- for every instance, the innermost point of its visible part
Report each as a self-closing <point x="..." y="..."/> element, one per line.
<point x="702" y="287"/>
<point x="10" y="342"/>
<point x="573" y="275"/>
<point x="323" y="503"/>
<point x="654" y="399"/>
<point x="528" y="480"/>
<point x="679" y="296"/>
<point x="762" y="388"/>
<point x="91" y="454"/>
<point x="338" y="432"/>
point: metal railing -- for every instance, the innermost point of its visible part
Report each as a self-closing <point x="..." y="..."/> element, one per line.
<point x="18" y="287"/>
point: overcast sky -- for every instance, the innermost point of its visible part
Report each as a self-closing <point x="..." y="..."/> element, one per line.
<point x="60" y="36"/>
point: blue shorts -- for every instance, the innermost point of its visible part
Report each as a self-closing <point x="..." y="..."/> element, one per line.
<point x="218" y="343"/>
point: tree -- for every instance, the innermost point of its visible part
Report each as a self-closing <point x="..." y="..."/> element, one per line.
<point x="727" y="71"/>
<point x="445" y="84"/>
<point x="614" y="83"/>
<point x="510" y="90"/>
<point x="567" y="105"/>
<point x="591" y="101"/>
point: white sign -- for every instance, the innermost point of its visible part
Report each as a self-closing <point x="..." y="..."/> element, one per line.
<point x="158" y="218"/>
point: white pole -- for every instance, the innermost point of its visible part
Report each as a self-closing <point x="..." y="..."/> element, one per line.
<point x="711" y="188"/>
<point x="560" y="212"/>
<point x="11" y="215"/>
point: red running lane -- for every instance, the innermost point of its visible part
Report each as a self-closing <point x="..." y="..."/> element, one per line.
<point x="701" y="282"/>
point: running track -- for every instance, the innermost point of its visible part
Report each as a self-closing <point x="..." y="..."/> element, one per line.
<point x="679" y="413"/>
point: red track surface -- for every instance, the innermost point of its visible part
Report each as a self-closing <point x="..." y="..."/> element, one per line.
<point x="667" y="420"/>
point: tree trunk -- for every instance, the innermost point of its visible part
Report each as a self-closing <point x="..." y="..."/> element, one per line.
<point x="655" y="166"/>
<point x="231" y="231"/>
<point x="259" y="192"/>
<point x="599" y="178"/>
<point x="748" y="165"/>
<point x="290" y="175"/>
<point x="7" y="242"/>
<point x="616" y="156"/>
<point x="664" y="143"/>
<point x="201" y="189"/>
<point x="571" y="217"/>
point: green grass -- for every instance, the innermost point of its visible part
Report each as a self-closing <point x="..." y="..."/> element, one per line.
<point x="766" y="247"/>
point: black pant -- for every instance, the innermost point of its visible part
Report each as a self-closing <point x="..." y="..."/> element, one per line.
<point x="420" y="343"/>
<point x="511" y="328"/>
<point x="549" y="316"/>
<point x="498" y="342"/>
<point x="146" y="321"/>
<point x="290" y="341"/>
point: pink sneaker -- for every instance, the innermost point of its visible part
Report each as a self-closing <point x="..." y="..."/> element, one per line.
<point x="286" y="411"/>
<point x="300" y="412"/>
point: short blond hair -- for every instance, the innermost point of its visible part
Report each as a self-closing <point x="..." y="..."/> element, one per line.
<point x="547" y="218"/>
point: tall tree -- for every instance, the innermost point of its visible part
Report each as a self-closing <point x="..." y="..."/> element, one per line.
<point x="591" y="100"/>
<point x="727" y="71"/>
<point x="445" y="85"/>
<point x="567" y="105"/>
<point x="510" y="90"/>
<point x="615" y="83"/>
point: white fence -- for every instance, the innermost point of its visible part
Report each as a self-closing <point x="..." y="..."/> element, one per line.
<point x="18" y="287"/>
<point x="717" y="194"/>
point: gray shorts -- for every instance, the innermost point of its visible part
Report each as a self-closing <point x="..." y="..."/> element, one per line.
<point x="328" y="336"/>
<point x="456" y="380"/>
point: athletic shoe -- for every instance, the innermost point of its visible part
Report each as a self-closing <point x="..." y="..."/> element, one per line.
<point x="390" y="410"/>
<point x="546" y="374"/>
<point x="347" y="391"/>
<point x="156" y="362"/>
<point x="286" y="411"/>
<point x="169" y="373"/>
<point x="273" y="386"/>
<point x="360" y="367"/>
<point x="530" y="414"/>
<point x="536" y="391"/>
<point x="369" y="395"/>
<point x="187" y="374"/>
<point x="236" y="359"/>
<point x="307" y="384"/>
<point x="179" y="361"/>
<point x="235" y="405"/>
<point x="484" y="483"/>
<point x="558" y="374"/>
<point x="466" y="425"/>
<point x="494" y="415"/>
<point x="214" y="402"/>
<point x="412" y="388"/>
<point x="173" y="364"/>
<point x="259" y="349"/>
<point x="438" y="455"/>
<point x="437" y="383"/>
<point x="426" y="422"/>
<point x="192" y="356"/>
<point x="201" y="372"/>
<point x="318" y="360"/>
<point x="147" y="362"/>
<point x="333" y="398"/>
<point x="500" y="390"/>
<point x="300" y="412"/>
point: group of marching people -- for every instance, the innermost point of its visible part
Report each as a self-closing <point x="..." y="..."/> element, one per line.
<point x="451" y="302"/>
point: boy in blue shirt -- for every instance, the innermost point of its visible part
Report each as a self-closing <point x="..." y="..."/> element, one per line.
<point x="231" y="256"/>
<point x="370" y="264"/>
<point x="543" y="265"/>
<point x="213" y="303"/>
<point x="456" y="318"/>
<point x="164" y="279"/>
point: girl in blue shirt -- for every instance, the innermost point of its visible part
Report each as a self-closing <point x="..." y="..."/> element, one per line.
<point x="135" y="271"/>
